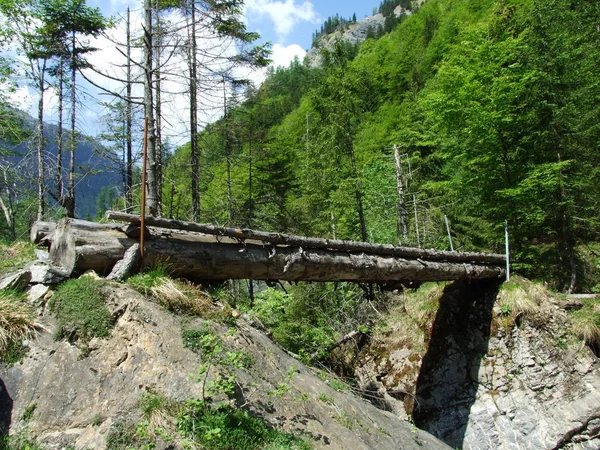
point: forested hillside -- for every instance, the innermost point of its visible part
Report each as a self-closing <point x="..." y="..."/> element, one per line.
<point x="493" y="104"/>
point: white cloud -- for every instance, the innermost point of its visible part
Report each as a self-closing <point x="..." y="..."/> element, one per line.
<point x="284" y="14"/>
<point x="283" y="56"/>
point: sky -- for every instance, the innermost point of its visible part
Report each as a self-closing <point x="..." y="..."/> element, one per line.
<point x="287" y="24"/>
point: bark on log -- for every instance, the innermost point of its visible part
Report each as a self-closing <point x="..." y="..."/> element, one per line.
<point x="204" y="258"/>
<point x="78" y="246"/>
<point x="313" y="243"/>
<point x="40" y="231"/>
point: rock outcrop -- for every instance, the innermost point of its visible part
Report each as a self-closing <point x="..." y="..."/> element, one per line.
<point x="65" y="396"/>
<point x="486" y="379"/>
<point x="355" y="33"/>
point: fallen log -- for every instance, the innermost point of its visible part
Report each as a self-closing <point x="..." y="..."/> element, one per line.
<point x="313" y="243"/>
<point x="40" y="231"/>
<point x="205" y="258"/>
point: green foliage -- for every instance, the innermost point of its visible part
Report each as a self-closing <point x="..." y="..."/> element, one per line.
<point x="311" y="316"/>
<point x="145" y="281"/>
<point x="224" y="428"/>
<point x="217" y="360"/>
<point x="492" y="102"/>
<point x="80" y="310"/>
<point x="124" y="436"/>
<point x="19" y="441"/>
<point x="28" y="412"/>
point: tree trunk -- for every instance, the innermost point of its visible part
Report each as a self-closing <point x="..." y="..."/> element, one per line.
<point x="40" y="231"/>
<point x="128" y="124"/>
<point x="402" y="213"/>
<point x="243" y="234"/>
<point x="152" y="176"/>
<point x="69" y="200"/>
<point x="157" y="103"/>
<point x="41" y="194"/>
<point x="78" y="246"/>
<point x="59" y="133"/>
<point x="195" y="157"/>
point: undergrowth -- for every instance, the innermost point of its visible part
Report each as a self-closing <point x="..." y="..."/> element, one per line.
<point x="225" y="428"/>
<point x="17" y="322"/>
<point x="310" y="317"/>
<point x="80" y="310"/>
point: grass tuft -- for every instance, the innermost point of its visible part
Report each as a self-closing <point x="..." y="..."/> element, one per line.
<point x="585" y="322"/>
<point x="17" y="322"/>
<point x="521" y="296"/>
<point x="81" y="311"/>
<point x="175" y="296"/>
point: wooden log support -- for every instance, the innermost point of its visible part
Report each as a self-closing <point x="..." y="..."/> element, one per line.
<point x="198" y="257"/>
<point x="313" y="243"/>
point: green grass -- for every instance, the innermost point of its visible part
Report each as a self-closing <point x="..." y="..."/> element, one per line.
<point x="225" y="428"/>
<point x="585" y="322"/>
<point x="15" y="255"/>
<point x="17" y="322"/>
<point x="80" y="310"/>
<point x="144" y="282"/>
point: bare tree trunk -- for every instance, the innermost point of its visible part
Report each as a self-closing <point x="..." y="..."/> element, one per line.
<point x="195" y="157"/>
<point x="227" y="156"/>
<point x="128" y="121"/>
<point x="78" y="246"/>
<point x="7" y="207"/>
<point x="59" y="134"/>
<point x="243" y="234"/>
<point x="69" y="201"/>
<point x="152" y="200"/>
<point x="402" y="212"/>
<point x="157" y="103"/>
<point x="357" y="192"/>
<point x="40" y="146"/>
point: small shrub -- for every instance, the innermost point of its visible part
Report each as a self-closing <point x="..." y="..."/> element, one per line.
<point x="158" y="412"/>
<point x="28" y="412"/>
<point x="225" y="428"/>
<point x="20" y="441"/>
<point x="16" y="323"/>
<point x="81" y="311"/>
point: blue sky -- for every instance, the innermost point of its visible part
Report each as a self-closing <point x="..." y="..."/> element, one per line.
<point x="287" y="24"/>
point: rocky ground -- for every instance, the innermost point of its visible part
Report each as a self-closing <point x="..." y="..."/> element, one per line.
<point x="68" y="396"/>
<point x="479" y="377"/>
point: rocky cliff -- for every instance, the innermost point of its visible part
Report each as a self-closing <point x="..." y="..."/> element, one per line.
<point x="355" y="33"/>
<point x="481" y="371"/>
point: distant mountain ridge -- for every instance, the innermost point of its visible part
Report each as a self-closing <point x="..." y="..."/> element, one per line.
<point x="93" y="170"/>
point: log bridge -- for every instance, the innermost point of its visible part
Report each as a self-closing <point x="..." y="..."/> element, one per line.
<point x="206" y="252"/>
